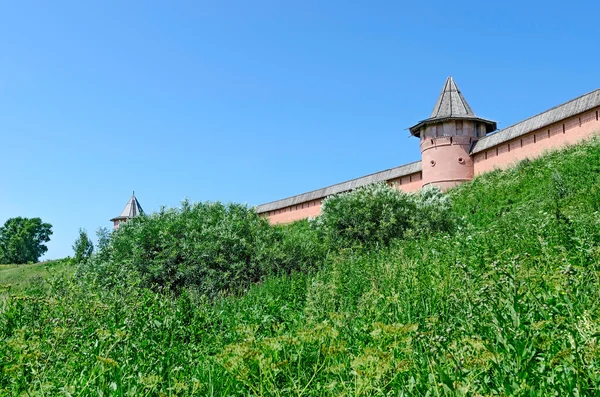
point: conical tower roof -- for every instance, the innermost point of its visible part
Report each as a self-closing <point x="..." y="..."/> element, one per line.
<point x="451" y="104"/>
<point x="132" y="209"/>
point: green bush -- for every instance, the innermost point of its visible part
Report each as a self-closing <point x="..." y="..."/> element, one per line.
<point x="378" y="214"/>
<point x="211" y="247"/>
<point x="298" y="246"/>
<point x="506" y="305"/>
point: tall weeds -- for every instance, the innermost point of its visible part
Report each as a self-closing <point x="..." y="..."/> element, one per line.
<point x="506" y="304"/>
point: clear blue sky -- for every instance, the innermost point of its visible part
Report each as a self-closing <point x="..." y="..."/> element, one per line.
<point x="253" y="101"/>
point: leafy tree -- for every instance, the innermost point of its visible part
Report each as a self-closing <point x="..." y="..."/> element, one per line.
<point x="102" y="249"/>
<point x="22" y="240"/>
<point x="83" y="246"/>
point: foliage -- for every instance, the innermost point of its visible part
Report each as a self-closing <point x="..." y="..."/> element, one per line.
<point x="212" y="247"/>
<point x="506" y="305"/>
<point x="19" y="278"/>
<point x="103" y="236"/>
<point x="377" y="214"/>
<point x="22" y="240"/>
<point x="83" y="247"/>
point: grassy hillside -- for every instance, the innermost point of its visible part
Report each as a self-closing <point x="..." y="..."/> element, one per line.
<point x="508" y="304"/>
<point x="17" y="278"/>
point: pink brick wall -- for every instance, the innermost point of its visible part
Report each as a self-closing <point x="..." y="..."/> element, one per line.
<point x="533" y="144"/>
<point x="409" y="183"/>
<point x="295" y="212"/>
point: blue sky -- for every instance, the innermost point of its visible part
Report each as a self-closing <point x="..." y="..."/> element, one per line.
<point x="254" y="101"/>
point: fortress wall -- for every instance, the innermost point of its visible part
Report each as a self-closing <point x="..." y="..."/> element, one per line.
<point x="408" y="183"/>
<point x="310" y="209"/>
<point x="533" y="144"/>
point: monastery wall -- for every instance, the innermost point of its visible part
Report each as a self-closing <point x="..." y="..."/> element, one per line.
<point x="311" y="209"/>
<point x="408" y="183"/>
<point x="533" y="144"/>
<point x="456" y="145"/>
<point x="565" y="132"/>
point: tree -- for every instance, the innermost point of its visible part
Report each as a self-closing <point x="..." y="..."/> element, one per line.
<point x="83" y="246"/>
<point x="103" y="235"/>
<point x="103" y="246"/>
<point x="22" y="240"/>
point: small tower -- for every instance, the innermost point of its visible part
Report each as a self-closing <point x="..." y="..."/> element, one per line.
<point x="132" y="209"/>
<point x="446" y="139"/>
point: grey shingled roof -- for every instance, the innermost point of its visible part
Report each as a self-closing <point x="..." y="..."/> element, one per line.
<point x="451" y="104"/>
<point x="560" y="112"/>
<point x="132" y="209"/>
<point x="381" y="176"/>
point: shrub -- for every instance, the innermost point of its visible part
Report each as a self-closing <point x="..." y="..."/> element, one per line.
<point x="211" y="247"/>
<point x="298" y="246"/>
<point x="433" y="211"/>
<point x="377" y="214"/>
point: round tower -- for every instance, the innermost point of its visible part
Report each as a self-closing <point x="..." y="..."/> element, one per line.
<point x="447" y="137"/>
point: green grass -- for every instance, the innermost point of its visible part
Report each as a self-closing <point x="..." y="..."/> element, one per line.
<point x="508" y="305"/>
<point x="17" y="278"/>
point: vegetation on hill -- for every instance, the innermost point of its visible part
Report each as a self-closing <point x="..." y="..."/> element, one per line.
<point x="504" y="301"/>
<point x="19" y="278"/>
<point x="22" y="240"/>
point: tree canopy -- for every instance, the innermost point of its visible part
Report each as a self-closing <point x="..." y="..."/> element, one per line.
<point x="22" y="240"/>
